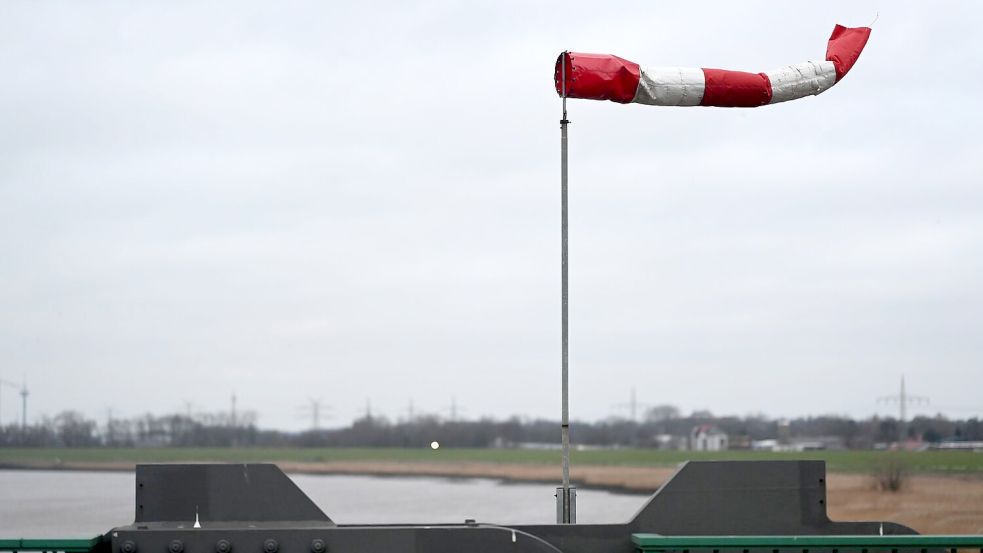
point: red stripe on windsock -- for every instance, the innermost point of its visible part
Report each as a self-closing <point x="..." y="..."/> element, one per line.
<point x="845" y="46"/>
<point x="735" y="89"/>
<point x="598" y="77"/>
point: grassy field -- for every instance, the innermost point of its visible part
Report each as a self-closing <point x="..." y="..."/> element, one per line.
<point x="837" y="461"/>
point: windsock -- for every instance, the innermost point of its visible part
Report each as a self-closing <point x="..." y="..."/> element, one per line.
<point x="607" y="77"/>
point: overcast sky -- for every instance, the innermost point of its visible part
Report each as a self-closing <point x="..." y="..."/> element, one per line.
<point x="360" y="201"/>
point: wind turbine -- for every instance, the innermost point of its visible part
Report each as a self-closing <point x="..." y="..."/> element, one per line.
<point x="23" y="404"/>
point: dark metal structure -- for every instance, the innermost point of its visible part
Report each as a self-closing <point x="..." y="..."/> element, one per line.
<point x="706" y="507"/>
<point x="766" y="506"/>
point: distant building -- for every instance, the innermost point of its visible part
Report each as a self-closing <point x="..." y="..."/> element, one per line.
<point x="707" y="437"/>
<point x="784" y="432"/>
<point x="741" y="441"/>
<point x="799" y="444"/>
<point x="771" y="444"/>
<point x="957" y="445"/>
<point x="670" y="442"/>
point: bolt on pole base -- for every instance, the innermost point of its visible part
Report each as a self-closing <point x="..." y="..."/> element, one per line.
<point x="566" y="505"/>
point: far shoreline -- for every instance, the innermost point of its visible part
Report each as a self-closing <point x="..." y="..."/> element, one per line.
<point x="615" y="479"/>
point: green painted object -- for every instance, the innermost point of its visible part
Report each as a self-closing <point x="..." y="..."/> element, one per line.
<point x="52" y="545"/>
<point x="652" y="543"/>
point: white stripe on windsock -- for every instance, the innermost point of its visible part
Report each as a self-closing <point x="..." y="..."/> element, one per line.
<point x="684" y="86"/>
<point x="800" y="80"/>
<point x="670" y="86"/>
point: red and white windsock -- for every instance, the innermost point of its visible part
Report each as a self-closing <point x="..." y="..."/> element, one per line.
<point x="607" y="77"/>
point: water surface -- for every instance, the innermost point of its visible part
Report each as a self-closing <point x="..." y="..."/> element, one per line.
<point x="82" y="504"/>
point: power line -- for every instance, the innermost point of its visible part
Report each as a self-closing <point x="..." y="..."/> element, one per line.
<point x="188" y="408"/>
<point x="632" y="406"/>
<point x="313" y="409"/>
<point x="903" y="400"/>
<point x="454" y="410"/>
<point x="410" y="412"/>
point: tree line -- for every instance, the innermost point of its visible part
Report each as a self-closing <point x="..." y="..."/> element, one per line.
<point x="72" y="429"/>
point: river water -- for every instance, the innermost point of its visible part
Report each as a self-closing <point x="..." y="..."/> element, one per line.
<point x="71" y="504"/>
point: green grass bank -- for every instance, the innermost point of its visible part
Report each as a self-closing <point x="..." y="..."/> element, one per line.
<point x="960" y="462"/>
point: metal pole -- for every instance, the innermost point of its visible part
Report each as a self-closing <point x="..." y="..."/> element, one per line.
<point x="902" y="430"/>
<point x="23" y="416"/>
<point x="566" y="514"/>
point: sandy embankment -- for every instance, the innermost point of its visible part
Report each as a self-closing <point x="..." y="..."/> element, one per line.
<point x="930" y="504"/>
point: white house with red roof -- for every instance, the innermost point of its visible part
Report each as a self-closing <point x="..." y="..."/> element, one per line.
<point x="707" y="437"/>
